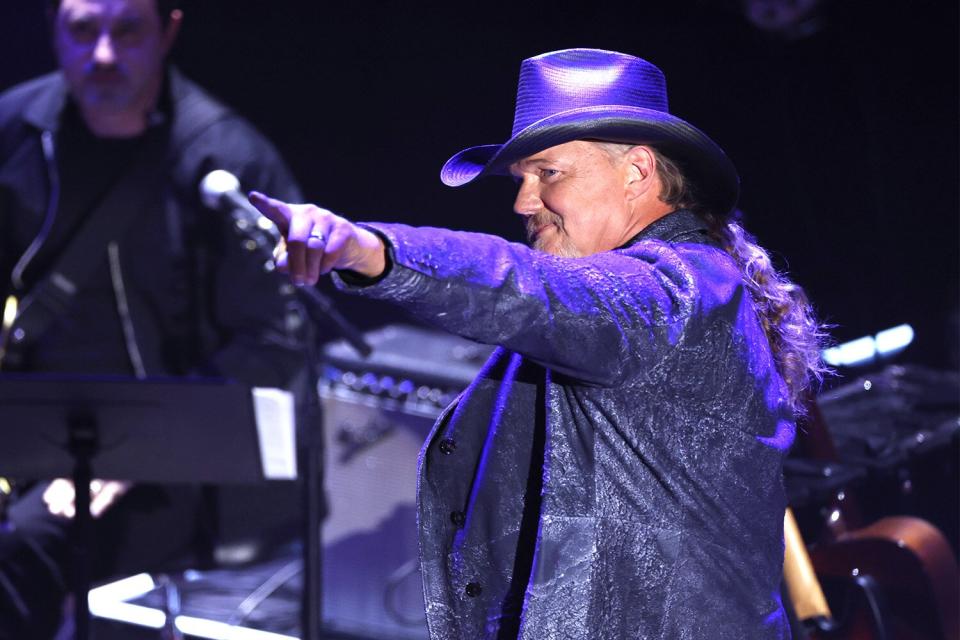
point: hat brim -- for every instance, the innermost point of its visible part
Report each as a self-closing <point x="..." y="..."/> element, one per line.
<point x="702" y="160"/>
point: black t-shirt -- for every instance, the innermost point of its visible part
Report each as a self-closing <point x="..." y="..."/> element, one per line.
<point x="89" y="337"/>
<point x="87" y="167"/>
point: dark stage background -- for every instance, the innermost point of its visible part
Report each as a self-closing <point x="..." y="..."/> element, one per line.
<point x="846" y="140"/>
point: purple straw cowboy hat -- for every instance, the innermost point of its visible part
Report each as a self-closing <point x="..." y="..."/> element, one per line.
<point x="591" y="94"/>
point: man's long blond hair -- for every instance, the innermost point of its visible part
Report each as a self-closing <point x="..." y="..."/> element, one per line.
<point x="796" y="337"/>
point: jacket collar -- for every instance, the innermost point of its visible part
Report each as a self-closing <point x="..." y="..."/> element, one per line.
<point x="44" y="109"/>
<point x="672" y="227"/>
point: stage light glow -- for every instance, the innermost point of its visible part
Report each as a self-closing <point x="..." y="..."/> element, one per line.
<point x="863" y="350"/>
<point x="107" y="602"/>
<point x="894" y="339"/>
<point x="851" y="353"/>
<point x="9" y="311"/>
<point x="130" y="613"/>
<point x="126" y="589"/>
<point x="220" y="631"/>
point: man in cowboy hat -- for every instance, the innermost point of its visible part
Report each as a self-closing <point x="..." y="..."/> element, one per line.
<point x="615" y="469"/>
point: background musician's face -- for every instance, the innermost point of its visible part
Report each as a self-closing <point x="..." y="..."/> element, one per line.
<point x="112" y="52"/>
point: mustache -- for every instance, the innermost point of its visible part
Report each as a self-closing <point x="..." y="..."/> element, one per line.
<point x="540" y="220"/>
<point x="106" y="72"/>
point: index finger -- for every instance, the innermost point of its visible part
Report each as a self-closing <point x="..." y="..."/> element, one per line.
<point x="276" y="210"/>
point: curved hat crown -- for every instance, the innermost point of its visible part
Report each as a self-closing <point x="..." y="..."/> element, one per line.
<point x="577" y="94"/>
<point x="581" y="78"/>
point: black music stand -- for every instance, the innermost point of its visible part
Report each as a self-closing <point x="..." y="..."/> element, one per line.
<point x="160" y="430"/>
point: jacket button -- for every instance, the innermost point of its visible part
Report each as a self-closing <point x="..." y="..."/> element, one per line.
<point x="473" y="589"/>
<point x="447" y="446"/>
<point x="458" y="518"/>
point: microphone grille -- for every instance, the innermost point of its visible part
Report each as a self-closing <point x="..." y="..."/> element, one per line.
<point x="215" y="184"/>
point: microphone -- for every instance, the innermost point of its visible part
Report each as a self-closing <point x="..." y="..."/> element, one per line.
<point x="220" y="190"/>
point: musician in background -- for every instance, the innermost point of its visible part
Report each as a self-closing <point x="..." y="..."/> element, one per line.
<point x="159" y="297"/>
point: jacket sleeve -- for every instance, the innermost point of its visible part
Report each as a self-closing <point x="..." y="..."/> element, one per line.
<point x="599" y="319"/>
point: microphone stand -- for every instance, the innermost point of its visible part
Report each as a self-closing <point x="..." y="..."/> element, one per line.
<point x="319" y="307"/>
<point x="310" y="439"/>
<point x="321" y="311"/>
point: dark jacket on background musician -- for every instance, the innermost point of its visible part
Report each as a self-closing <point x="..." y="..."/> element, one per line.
<point x="179" y="262"/>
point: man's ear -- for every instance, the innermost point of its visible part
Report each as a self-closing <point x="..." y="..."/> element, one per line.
<point x="641" y="171"/>
<point x="171" y="30"/>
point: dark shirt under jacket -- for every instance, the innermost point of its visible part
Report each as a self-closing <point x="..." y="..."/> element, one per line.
<point x="615" y="469"/>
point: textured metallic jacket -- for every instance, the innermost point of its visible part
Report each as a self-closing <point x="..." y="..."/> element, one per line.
<point x="615" y="469"/>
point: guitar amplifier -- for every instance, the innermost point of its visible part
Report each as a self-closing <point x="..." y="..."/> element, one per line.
<point x="377" y="413"/>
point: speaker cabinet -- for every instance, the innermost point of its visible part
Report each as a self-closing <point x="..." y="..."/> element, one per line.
<point x="371" y="574"/>
<point x="377" y="412"/>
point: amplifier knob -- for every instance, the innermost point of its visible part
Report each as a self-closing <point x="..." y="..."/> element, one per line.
<point x="388" y="386"/>
<point x="405" y="389"/>
<point x="349" y="378"/>
<point x="369" y="382"/>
